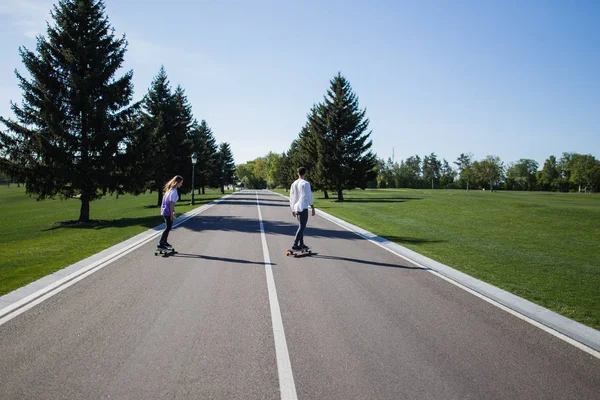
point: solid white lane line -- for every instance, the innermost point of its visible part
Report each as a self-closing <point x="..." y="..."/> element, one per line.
<point x="287" y="387"/>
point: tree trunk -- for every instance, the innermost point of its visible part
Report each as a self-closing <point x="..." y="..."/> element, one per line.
<point x="84" y="212"/>
<point x="203" y="189"/>
<point x="432" y="183"/>
<point x="467" y="185"/>
<point x="325" y="194"/>
<point x="160" y="196"/>
<point x="340" y="194"/>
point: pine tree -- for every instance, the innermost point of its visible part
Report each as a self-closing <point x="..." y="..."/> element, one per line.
<point x="158" y="105"/>
<point x="315" y="151"/>
<point x="322" y="153"/>
<point x="226" y="165"/>
<point x="138" y="161"/>
<point x="345" y="160"/>
<point x="168" y="117"/>
<point x="447" y="174"/>
<point x="431" y="168"/>
<point x="412" y="170"/>
<point x="71" y="125"/>
<point x="205" y="146"/>
<point x="282" y="173"/>
<point x="465" y="168"/>
<point x="291" y="162"/>
<point x="181" y="138"/>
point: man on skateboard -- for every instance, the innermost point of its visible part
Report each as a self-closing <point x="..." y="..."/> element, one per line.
<point x="300" y="199"/>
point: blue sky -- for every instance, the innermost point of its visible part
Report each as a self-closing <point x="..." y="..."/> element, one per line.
<point x="515" y="79"/>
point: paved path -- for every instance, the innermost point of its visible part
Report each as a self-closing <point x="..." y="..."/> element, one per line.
<point x="217" y="321"/>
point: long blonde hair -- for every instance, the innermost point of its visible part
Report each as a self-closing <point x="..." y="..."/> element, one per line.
<point x="172" y="183"/>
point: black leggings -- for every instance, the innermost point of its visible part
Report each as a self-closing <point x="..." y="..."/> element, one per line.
<point x="165" y="234"/>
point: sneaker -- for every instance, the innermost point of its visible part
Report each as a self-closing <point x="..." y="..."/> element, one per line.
<point x="162" y="247"/>
<point x="168" y="246"/>
<point x="304" y="247"/>
<point x="297" y="248"/>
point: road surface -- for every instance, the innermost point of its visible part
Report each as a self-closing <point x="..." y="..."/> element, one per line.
<point x="231" y="317"/>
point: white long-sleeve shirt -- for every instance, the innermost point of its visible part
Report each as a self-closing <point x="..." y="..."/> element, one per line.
<point x="300" y="195"/>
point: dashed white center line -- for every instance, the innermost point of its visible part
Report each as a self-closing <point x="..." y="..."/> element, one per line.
<point x="287" y="387"/>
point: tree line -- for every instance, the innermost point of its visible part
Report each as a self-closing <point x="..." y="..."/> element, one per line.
<point x="78" y="132"/>
<point x="572" y="172"/>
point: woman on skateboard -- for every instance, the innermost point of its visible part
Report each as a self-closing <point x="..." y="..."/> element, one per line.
<point x="167" y="209"/>
<point x="300" y="199"/>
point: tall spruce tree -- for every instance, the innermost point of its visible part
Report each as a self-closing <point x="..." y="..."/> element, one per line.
<point x="282" y="173"/>
<point x="447" y="174"/>
<point x="345" y="160"/>
<point x="313" y="152"/>
<point x="137" y="161"/>
<point x="291" y="163"/>
<point x="205" y="145"/>
<point x="431" y="168"/>
<point x="181" y="138"/>
<point x="226" y="166"/>
<point x="465" y="169"/>
<point x="168" y="117"/>
<point x="321" y="155"/>
<point x="71" y="125"/>
<point x="158" y="105"/>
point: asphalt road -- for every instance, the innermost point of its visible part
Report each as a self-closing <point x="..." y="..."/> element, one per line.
<point x="357" y="323"/>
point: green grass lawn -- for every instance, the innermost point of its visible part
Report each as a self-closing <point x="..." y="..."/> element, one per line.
<point x="544" y="247"/>
<point x="35" y="245"/>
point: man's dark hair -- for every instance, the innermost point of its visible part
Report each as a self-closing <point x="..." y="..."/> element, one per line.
<point x="302" y="171"/>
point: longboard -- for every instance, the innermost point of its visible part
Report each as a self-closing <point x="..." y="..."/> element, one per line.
<point x="297" y="253"/>
<point x="164" y="252"/>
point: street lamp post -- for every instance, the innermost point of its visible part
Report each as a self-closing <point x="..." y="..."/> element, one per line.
<point x="194" y="159"/>
<point x="223" y="179"/>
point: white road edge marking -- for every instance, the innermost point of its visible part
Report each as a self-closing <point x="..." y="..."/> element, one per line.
<point x="26" y="303"/>
<point x="533" y="322"/>
<point x="287" y="387"/>
<point x="525" y="318"/>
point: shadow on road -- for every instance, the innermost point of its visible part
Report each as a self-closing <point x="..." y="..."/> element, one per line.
<point x="365" y="262"/>
<point x="249" y="202"/>
<point x="213" y="258"/>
